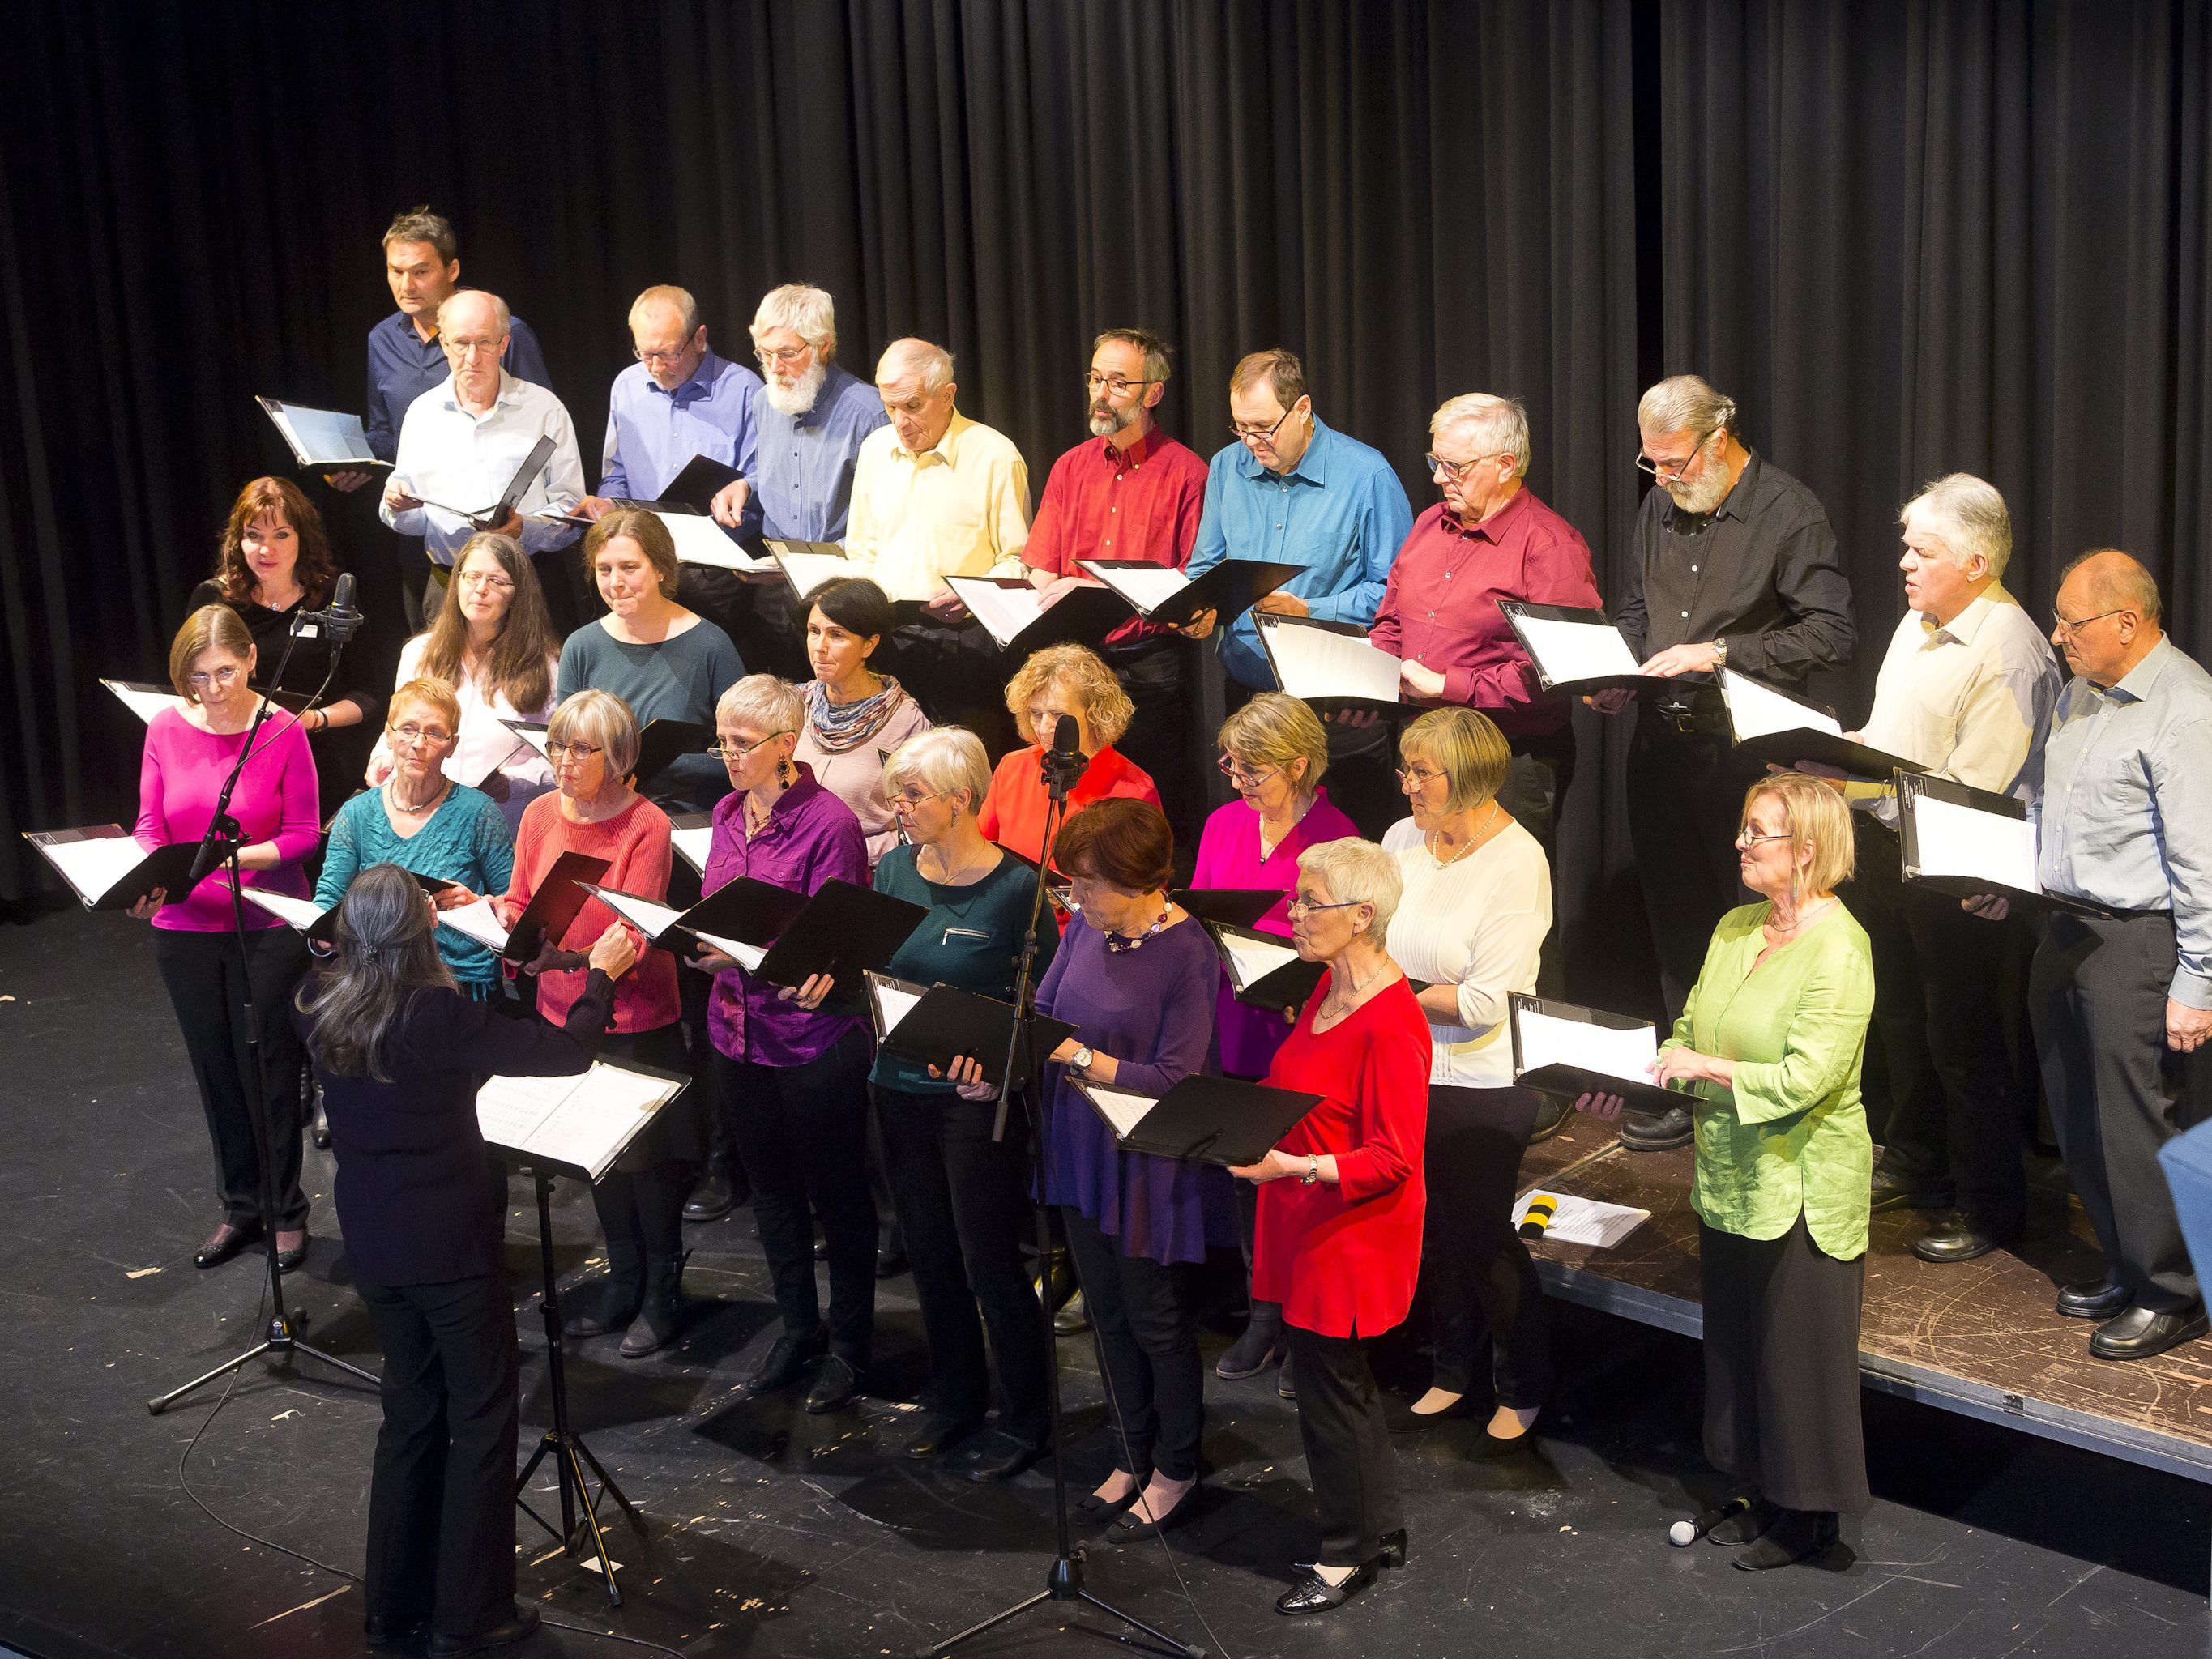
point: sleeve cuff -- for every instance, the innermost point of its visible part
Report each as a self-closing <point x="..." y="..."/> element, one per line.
<point x="2190" y="989"/>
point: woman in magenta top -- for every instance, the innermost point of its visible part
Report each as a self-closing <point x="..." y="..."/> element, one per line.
<point x="592" y="744"/>
<point x="1274" y="751"/>
<point x="189" y="752"/>
<point x="1341" y="1201"/>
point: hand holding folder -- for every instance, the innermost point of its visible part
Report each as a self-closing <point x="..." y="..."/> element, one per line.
<point x="1201" y="1120"/>
<point x="936" y="1025"/>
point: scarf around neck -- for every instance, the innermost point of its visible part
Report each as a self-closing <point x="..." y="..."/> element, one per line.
<point x="842" y="726"/>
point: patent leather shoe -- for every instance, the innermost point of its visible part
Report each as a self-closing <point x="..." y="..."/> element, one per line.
<point x="1656" y="1131"/>
<point x="2094" y="1298"/>
<point x="2139" y="1332"/>
<point x="1957" y="1236"/>
<point x="224" y="1242"/>
<point x="1315" y="1594"/>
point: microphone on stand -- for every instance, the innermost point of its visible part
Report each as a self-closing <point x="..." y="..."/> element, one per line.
<point x="342" y="619"/>
<point x="1063" y="763"/>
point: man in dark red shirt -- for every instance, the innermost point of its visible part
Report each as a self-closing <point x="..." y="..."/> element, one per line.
<point x="1490" y="538"/>
<point x="1132" y="492"/>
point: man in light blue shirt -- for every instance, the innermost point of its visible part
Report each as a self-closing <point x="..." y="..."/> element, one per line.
<point x="2122" y="1005"/>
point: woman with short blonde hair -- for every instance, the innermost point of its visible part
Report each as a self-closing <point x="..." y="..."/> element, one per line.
<point x="1061" y="681"/>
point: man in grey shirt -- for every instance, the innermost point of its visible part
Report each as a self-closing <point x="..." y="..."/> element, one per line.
<point x="2122" y="1005"/>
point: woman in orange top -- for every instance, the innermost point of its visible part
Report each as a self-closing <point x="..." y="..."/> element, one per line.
<point x="1061" y="679"/>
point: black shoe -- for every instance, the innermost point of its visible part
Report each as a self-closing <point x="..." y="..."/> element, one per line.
<point x="1057" y="1283"/>
<point x="1092" y="1507"/>
<point x="1795" y="1535"/>
<point x="2139" y="1332"/>
<point x="1073" y="1319"/>
<point x="661" y="1314"/>
<point x="291" y="1256"/>
<point x="712" y="1198"/>
<point x="224" y="1242"/>
<point x="787" y="1359"/>
<point x="318" y="1130"/>
<point x="1262" y="1345"/>
<point x="1957" y="1236"/>
<point x="612" y="1303"/>
<point x="937" y="1432"/>
<point x="1890" y="1191"/>
<point x="890" y="1263"/>
<point x="835" y="1385"/>
<point x="1747" y="1525"/>
<point x="2094" y="1298"/>
<point x="1392" y="1545"/>
<point x="1134" y="1524"/>
<point x="1315" y="1594"/>
<point x="1496" y="1448"/>
<point x="1551" y="1117"/>
<point x="520" y="1628"/>
<point x="1000" y="1458"/>
<point x="1285" y="1388"/>
<point x="381" y="1632"/>
<point x="1656" y="1131"/>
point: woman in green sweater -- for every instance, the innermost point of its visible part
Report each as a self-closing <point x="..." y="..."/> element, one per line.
<point x="1770" y="1040"/>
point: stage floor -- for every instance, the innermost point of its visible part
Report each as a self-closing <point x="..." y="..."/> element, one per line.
<point x="775" y="1533"/>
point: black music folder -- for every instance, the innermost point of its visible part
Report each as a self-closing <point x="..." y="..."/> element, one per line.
<point x="664" y="741"/>
<point x="322" y="439"/>
<point x="1203" y="1120"/>
<point x="1232" y="907"/>
<point x="1781" y="728"/>
<point x="711" y="920"/>
<point x="1565" y="1049"/>
<point x="1969" y="842"/>
<point x="1326" y="662"/>
<point x="1163" y="594"/>
<point x="693" y="488"/>
<point x="934" y="1025"/>
<point x="1577" y="649"/>
<point x="1009" y="609"/>
<point x="1264" y="969"/>
<point x="550" y="911"/>
<point x="842" y="930"/>
<point x="108" y="870"/>
<point x="488" y="518"/>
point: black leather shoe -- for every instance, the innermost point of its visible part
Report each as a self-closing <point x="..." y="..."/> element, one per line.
<point x="2094" y="1298"/>
<point x="712" y="1198"/>
<point x="1496" y="1448"/>
<point x="381" y="1632"/>
<point x="1393" y="1547"/>
<point x="1795" y="1535"/>
<point x="787" y="1359"/>
<point x="1551" y="1117"/>
<point x="318" y="1130"/>
<point x="224" y="1242"/>
<point x="1656" y="1131"/>
<point x="1957" y="1236"/>
<point x="1315" y="1594"/>
<point x="1000" y="1458"/>
<point x="291" y="1248"/>
<point x="1092" y="1507"/>
<point x="1262" y="1345"/>
<point x="835" y="1385"/>
<point x="1890" y="1191"/>
<point x="1073" y="1319"/>
<point x="1134" y="1524"/>
<point x="2139" y="1332"/>
<point x="937" y="1432"/>
<point x="520" y="1628"/>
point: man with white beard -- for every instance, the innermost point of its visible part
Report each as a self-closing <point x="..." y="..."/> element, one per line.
<point x="810" y="417"/>
<point x="1734" y="565"/>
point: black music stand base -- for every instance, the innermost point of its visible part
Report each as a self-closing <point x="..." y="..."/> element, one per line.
<point x="1063" y="1582"/>
<point x="580" y="1510"/>
<point x="279" y="1345"/>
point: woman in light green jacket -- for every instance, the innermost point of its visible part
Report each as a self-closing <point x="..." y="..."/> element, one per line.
<point x="1770" y="1040"/>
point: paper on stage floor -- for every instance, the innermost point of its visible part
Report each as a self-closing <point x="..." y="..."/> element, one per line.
<point x="1951" y="840"/>
<point x="700" y="540"/>
<point x="321" y="437"/>
<point x="584" y="1121"/>
<point x="1567" y="652"/>
<point x="1547" y="1040"/>
<point x="1583" y="1220"/>
<point x="1756" y="711"/>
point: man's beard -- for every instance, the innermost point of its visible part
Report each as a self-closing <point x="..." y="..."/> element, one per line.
<point x="1703" y="496"/>
<point x="798" y="399"/>
<point x="1106" y="420"/>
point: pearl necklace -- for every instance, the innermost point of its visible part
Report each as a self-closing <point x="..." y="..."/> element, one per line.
<point x="1472" y="841"/>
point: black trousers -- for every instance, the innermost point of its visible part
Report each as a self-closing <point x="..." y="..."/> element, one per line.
<point x="2117" y="1092"/>
<point x="1480" y="1277"/>
<point x="1347" y="1444"/>
<point x="1782" y="1367"/>
<point x="1685" y="806"/>
<point x="963" y="1201"/>
<point x="441" y="1499"/>
<point x="206" y="984"/>
<point x="802" y="1131"/>
<point x="958" y="675"/>
<point x="1161" y="738"/>
<point x="1956" y="1114"/>
<point x="1141" y="1316"/>
<point x="640" y="1202"/>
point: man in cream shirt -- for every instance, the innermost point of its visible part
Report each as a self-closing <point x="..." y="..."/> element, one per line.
<point x="936" y="495"/>
<point x="1965" y="691"/>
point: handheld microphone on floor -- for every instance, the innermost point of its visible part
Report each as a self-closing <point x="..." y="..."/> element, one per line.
<point x="1538" y="1215"/>
<point x="1688" y="1532"/>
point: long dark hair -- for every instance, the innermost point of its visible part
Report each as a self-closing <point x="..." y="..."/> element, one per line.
<point x="515" y="667"/>
<point x="385" y="955"/>
<point x="315" y="571"/>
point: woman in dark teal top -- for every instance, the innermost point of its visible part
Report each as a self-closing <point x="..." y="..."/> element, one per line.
<point x="961" y="1197"/>
<point x="423" y="821"/>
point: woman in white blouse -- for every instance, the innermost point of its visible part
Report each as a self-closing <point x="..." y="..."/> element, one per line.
<point x="1477" y="901"/>
<point x="494" y="643"/>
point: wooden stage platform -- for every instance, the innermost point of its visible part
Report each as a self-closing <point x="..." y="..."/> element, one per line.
<point x="1982" y="1338"/>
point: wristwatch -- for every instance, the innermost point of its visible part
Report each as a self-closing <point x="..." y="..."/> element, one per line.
<point x="1313" y="1171"/>
<point x="1081" y="1059"/>
<point x="1720" y="653"/>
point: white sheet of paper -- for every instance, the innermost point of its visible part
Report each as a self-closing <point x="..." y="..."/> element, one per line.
<point x="1251" y="960"/>
<point x="478" y="921"/>
<point x="1570" y="651"/>
<point x="1003" y="610"/>
<point x="1319" y="663"/>
<point x="144" y="701"/>
<point x="1583" y="1220"/>
<point x="585" y="1121"/>
<point x="322" y="437"/>
<point x="1124" y="1111"/>
<point x="1148" y="589"/>
<point x="648" y="916"/>
<point x="535" y="736"/>
<point x="893" y="1002"/>
<point x="694" y="844"/>
<point x="1755" y="710"/>
<point x="808" y="571"/>
<point x="700" y="540"/>
<point x="94" y="866"/>
<point x="746" y="956"/>
<point x="1959" y="841"/>
<point x="1546" y="1041"/>
<point x="298" y="913"/>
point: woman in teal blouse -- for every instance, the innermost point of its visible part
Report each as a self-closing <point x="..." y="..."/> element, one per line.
<point x="1770" y="1040"/>
<point x="421" y="820"/>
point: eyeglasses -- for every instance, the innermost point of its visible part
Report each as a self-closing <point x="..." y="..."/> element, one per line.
<point x="470" y="348"/>
<point x="557" y="751"/>
<point x="1242" y="779"/>
<point x="1455" y="470"/>
<point x="1746" y="838"/>
<point x="1418" y="776"/>
<point x="729" y="749"/>
<point x="1303" y="906"/>
<point x="412" y="733"/>
<point x="649" y="358"/>
<point x="1676" y="470"/>
<point x="490" y="579"/>
<point x="2060" y="625"/>
<point x="221" y="676"/>
<point x="782" y="354"/>
<point x="1260" y="435"/>
<point x="911" y="799"/>
<point x="1114" y="385"/>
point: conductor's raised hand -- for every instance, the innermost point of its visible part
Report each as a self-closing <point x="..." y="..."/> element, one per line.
<point x="614" y="953"/>
<point x="810" y="993"/>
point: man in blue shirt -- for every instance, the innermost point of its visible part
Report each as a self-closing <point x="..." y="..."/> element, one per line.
<point x="1294" y="489"/>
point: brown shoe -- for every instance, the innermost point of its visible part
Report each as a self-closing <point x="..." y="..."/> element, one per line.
<point x="291" y="1248"/>
<point x="224" y="1242"/>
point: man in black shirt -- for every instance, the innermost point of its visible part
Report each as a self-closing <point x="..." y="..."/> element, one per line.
<point x="1735" y="566"/>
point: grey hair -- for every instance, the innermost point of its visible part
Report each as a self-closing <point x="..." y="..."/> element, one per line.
<point x="460" y="294"/>
<point x="1358" y="872"/>
<point x="677" y="298"/>
<point x="765" y="702"/>
<point x="1684" y="403"/>
<point x="1500" y="424"/>
<point x="1969" y="514"/>
<point x="805" y="310"/>
<point x="947" y="760"/>
<point x="911" y="356"/>
<point x="2123" y="584"/>
<point x="386" y="952"/>
<point x="598" y="717"/>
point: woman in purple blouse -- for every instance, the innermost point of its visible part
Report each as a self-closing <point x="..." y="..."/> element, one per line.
<point x="189" y="752"/>
<point x="1274" y="751"/>
<point x="790" y="1079"/>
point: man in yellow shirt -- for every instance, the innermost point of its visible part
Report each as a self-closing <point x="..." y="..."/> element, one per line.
<point x="936" y="495"/>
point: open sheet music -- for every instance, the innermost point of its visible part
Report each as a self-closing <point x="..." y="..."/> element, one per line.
<point x="108" y="870"/>
<point x="1564" y="1049"/>
<point x="483" y="518"/>
<point x="659" y="923"/>
<point x="143" y="698"/>
<point x="1264" y="969"/>
<point x="934" y="1025"/>
<point x="1319" y="664"/>
<point x="1970" y="843"/>
<point x="1571" y="645"/>
<point x="577" y="1125"/>
<point x="1769" y="724"/>
<point x="807" y="565"/>
<point x="1586" y="1221"/>
<point x="1014" y="614"/>
<point x="692" y="834"/>
<point x="322" y="437"/>
<point x="1205" y="1120"/>
<point x="1163" y="594"/>
<point x="700" y="540"/>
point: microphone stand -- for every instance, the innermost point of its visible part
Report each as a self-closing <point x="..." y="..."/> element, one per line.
<point x="1063" y="1579"/>
<point x="221" y="845"/>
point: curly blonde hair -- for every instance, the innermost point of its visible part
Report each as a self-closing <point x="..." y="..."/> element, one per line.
<point x="1073" y="668"/>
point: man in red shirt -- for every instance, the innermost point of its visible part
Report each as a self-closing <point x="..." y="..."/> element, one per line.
<point x="1132" y="492"/>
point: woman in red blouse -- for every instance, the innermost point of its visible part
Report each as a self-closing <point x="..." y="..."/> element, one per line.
<point x="1339" y="1235"/>
<point x="1060" y="679"/>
